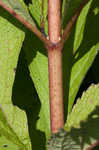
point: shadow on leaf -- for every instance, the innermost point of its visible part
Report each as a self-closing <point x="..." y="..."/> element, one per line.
<point x="88" y="133"/>
<point x="85" y="137"/>
<point x="25" y="97"/>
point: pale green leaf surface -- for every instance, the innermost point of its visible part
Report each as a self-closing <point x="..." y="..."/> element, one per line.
<point x="6" y="144"/>
<point x="84" y="106"/>
<point x="39" y="4"/>
<point x="20" y="8"/>
<point x="14" y="125"/>
<point x="38" y="14"/>
<point x="7" y="131"/>
<point x="35" y="11"/>
<point x="39" y="75"/>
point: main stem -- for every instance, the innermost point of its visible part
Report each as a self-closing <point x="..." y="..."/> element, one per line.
<point x="56" y="89"/>
<point x="55" y="67"/>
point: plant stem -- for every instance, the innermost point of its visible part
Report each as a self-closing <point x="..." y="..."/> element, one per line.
<point x="93" y="145"/>
<point x="72" y="21"/>
<point x="55" y="67"/>
<point x="54" y="20"/>
<point x="67" y="29"/>
<point x="56" y="89"/>
<point x="34" y="29"/>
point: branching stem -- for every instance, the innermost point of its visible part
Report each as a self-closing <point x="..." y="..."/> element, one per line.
<point x="34" y="29"/>
<point x="72" y="21"/>
<point x="93" y="145"/>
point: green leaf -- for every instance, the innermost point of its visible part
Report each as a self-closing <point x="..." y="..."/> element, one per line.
<point x="20" y="8"/>
<point x="84" y="118"/>
<point x="86" y="49"/>
<point x="84" y="107"/>
<point x="37" y="60"/>
<point x="35" y="10"/>
<point x="78" y="72"/>
<point x="7" y="131"/>
<point x="38" y="14"/>
<point x="80" y="25"/>
<point x="26" y="98"/>
<point x="69" y="8"/>
<point x="62" y="141"/>
<point x="6" y="144"/>
<point x="13" y="121"/>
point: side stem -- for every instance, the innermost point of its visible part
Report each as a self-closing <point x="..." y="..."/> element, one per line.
<point x="55" y="67"/>
<point x="34" y="29"/>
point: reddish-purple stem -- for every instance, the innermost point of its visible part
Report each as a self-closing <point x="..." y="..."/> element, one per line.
<point x="93" y="145"/>
<point x="56" y="89"/>
<point x="55" y="67"/>
<point x="54" y="20"/>
<point x="34" y="29"/>
<point x="67" y="29"/>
